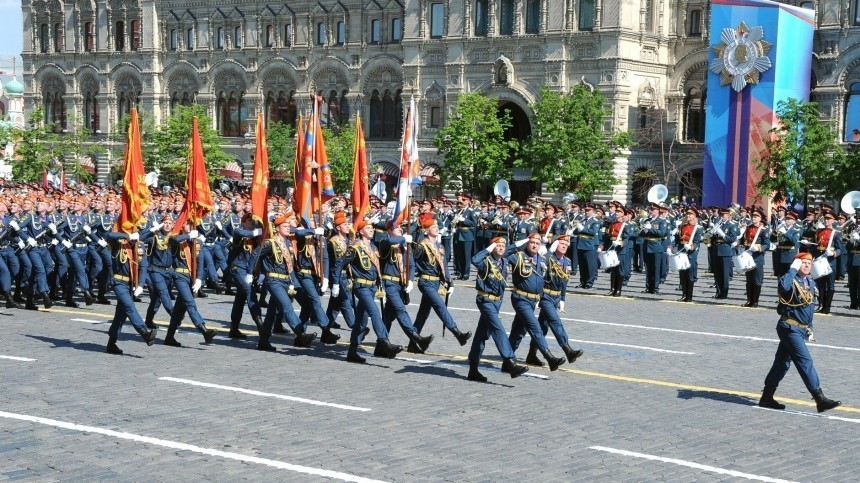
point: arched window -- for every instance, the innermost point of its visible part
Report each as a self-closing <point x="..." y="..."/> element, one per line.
<point x="532" y="16"/>
<point x="375" y="33"/>
<point x="230" y="115"/>
<point x="288" y="34"/>
<point x="695" y="23"/>
<point x="694" y="113"/>
<point x="321" y="33"/>
<point x="58" y="37"/>
<point x="53" y="93"/>
<point x="437" y="19"/>
<point x="341" y="32"/>
<point x="270" y="36"/>
<point x="375" y="115"/>
<point x="506" y="17"/>
<point x="281" y="108"/>
<point x="237" y="37"/>
<point x="219" y="38"/>
<point x="386" y="115"/>
<point x="90" y="37"/>
<point x="481" y="17"/>
<point x="852" y="114"/>
<point x="44" y="36"/>
<point x="90" y="92"/>
<point x="128" y="95"/>
<point x="337" y="111"/>
<point x="809" y="5"/>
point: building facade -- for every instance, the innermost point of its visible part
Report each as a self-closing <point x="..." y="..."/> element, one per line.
<point x="87" y="62"/>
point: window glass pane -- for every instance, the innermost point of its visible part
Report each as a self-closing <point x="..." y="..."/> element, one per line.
<point x="435" y="116"/>
<point x="395" y="30"/>
<point x="270" y="35"/>
<point x="696" y="22"/>
<point x="506" y="19"/>
<point x="135" y="34"/>
<point x="174" y="39"/>
<point x="288" y="34"/>
<point x="341" y="33"/>
<point x="374" y="31"/>
<point x="120" y="35"/>
<point x="321" y="33"/>
<point x="852" y="114"/>
<point x="856" y="12"/>
<point x="481" y="17"/>
<point x="437" y="11"/>
<point x="237" y="37"/>
<point x="533" y="17"/>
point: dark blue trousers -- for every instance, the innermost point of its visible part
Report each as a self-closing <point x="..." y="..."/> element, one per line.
<point x="184" y="303"/>
<point x="430" y="298"/>
<point x="525" y="321"/>
<point x="125" y="309"/>
<point x="489" y="325"/>
<point x="395" y="309"/>
<point x="792" y="348"/>
<point x="244" y="296"/>
<point x="342" y="304"/>
<point x="160" y="280"/>
<point x="280" y="305"/>
<point x="309" y="300"/>
<point x="367" y="307"/>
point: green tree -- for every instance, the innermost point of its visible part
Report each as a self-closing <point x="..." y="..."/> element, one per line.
<point x="473" y="144"/>
<point x="166" y="147"/>
<point x="40" y="144"/>
<point x="569" y="150"/>
<point x="280" y="139"/>
<point x="340" y="146"/>
<point x="844" y="176"/>
<point x="800" y="153"/>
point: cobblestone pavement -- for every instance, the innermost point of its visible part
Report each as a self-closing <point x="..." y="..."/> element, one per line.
<point x="666" y="391"/>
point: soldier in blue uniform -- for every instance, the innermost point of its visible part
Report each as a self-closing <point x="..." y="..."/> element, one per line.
<point x="786" y="237"/>
<point x="274" y="261"/>
<point x="617" y="238"/>
<point x="725" y="236"/>
<point x="397" y="284"/>
<point x="853" y="263"/>
<point x="210" y="229"/>
<point x="795" y="309"/>
<point x="522" y="227"/>
<point x="464" y="223"/>
<point x="687" y="240"/>
<point x="98" y="255"/>
<point x="829" y="244"/>
<point x="35" y="231"/>
<point x="240" y="272"/>
<point x="777" y="221"/>
<point x="380" y="222"/>
<point x="123" y="249"/>
<point x="183" y="253"/>
<point x="492" y="266"/>
<point x="57" y="251"/>
<point x="337" y="247"/>
<point x="810" y="228"/>
<point x="75" y="246"/>
<point x="362" y="259"/>
<point x="160" y="268"/>
<point x="311" y="273"/>
<point x="587" y="233"/>
<point x="755" y="240"/>
<point x="654" y="233"/>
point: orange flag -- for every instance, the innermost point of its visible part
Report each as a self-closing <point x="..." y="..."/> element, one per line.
<point x="360" y="178"/>
<point x="260" y="182"/>
<point x="198" y="201"/>
<point x="135" y="192"/>
<point x="298" y="190"/>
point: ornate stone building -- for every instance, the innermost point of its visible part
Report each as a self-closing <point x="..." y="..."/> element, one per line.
<point x="92" y="60"/>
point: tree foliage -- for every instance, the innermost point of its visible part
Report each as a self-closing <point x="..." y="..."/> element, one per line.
<point x="845" y="175"/>
<point x="340" y="146"/>
<point x="40" y="143"/>
<point x="473" y="143"/>
<point x="799" y="154"/>
<point x="281" y="141"/>
<point x="569" y="150"/>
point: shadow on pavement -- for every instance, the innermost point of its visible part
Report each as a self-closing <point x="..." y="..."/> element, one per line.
<point x="717" y="396"/>
<point x="80" y="346"/>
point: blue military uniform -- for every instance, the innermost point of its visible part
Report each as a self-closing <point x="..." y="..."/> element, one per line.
<point x="343" y="304"/>
<point x="428" y="267"/>
<point x="181" y="246"/>
<point x="787" y="241"/>
<point x="464" y="237"/>
<point x="722" y="255"/>
<point x="160" y="273"/>
<point x="123" y="250"/>
<point x="688" y="239"/>
<point x="586" y="248"/>
<point x="755" y="240"/>
<point x="653" y="234"/>
<point x="307" y="267"/>
<point x="240" y="257"/>
<point x="394" y="265"/>
<point x="551" y="301"/>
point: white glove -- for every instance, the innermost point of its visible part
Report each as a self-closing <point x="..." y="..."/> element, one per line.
<point x="646" y="226"/>
<point x="561" y="306"/>
<point x="291" y="290"/>
<point x="668" y="250"/>
<point x="156" y="226"/>
<point x="796" y="264"/>
<point x="88" y="229"/>
<point x="319" y="231"/>
<point x="21" y="244"/>
<point x="32" y="242"/>
<point x="193" y="234"/>
<point x="260" y="278"/>
<point x="249" y="278"/>
<point x="335" y="290"/>
<point x="218" y="225"/>
<point x="754" y="248"/>
<point x="544" y="239"/>
<point x="677" y="222"/>
<point x="553" y="247"/>
<point x="491" y="247"/>
<point x="855" y="236"/>
<point x="830" y="252"/>
<point x="720" y="233"/>
<point x="256" y="232"/>
<point x="783" y="230"/>
<point x="616" y="243"/>
<point x="521" y="242"/>
<point x="138" y="291"/>
<point x="197" y="284"/>
<point x="53" y="228"/>
<point x="324" y="286"/>
<point x="374" y="219"/>
<point x="102" y="243"/>
<point x="542" y="250"/>
<point x="201" y="238"/>
<point x="407" y="238"/>
<point x="55" y="242"/>
<point x="577" y="228"/>
<point x="409" y="286"/>
<point x="688" y="247"/>
<point x="67" y="244"/>
<point x="14" y="224"/>
<point x="820" y="225"/>
<point x="134" y="236"/>
<point x="450" y="289"/>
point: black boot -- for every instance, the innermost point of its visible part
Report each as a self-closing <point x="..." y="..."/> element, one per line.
<point x="304" y="339"/>
<point x="421" y="343"/>
<point x="532" y="357"/>
<point x="388" y="350"/>
<point x="170" y="338"/>
<point x="263" y="302"/>
<point x="750" y="292"/>
<point x="148" y="335"/>
<point x="515" y="370"/>
<point x="690" y="286"/>
<point x="767" y="400"/>
<point x="279" y="328"/>
<point x="18" y="297"/>
<point x="352" y="355"/>
<point x="235" y="333"/>
<point x="101" y="299"/>
<point x="414" y="348"/>
<point x="46" y="300"/>
<point x="264" y="345"/>
<point x="112" y="348"/>
<point x="258" y="321"/>
<point x="474" y="374"/>
<point x="149" y="322"/>
<point x="52" y="293"/>
<point x="462" y="337"/>
<point x="30" y="305"/>
<point x="215" y="287"/>
<point x="572" y="354"/>
<point x="755" y="296"/>
<point x="10" y="302"/>
<point x="828" y="299"/>
<point x="208" y="334"/>
<point x="822" y="402"/>
<point x="88" y="298"/>
<point x="329" y="337"/>
<point x="70" y="301"/>
<point x="552" y="360"/>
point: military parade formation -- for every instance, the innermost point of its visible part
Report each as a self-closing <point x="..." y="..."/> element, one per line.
<point x="65" y="248"/>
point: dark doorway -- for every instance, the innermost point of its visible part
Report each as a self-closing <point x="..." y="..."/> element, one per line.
<point x="522" y="185"/>
<point x="690" y="185"/>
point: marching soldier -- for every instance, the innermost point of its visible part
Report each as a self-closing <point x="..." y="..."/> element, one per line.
<point x="810" y="228"/>
<point x="786" y="236"/>
<point x="522" y="226"/>
<point x="587" y="232"/>
<point x="853" y="264"/>
<point x="654" y="232"/>
<point x="243" y="242"/>
<point x="491" y="265"/>
<point x="755" y="239"/>
<point x="337" y="247"/>
<point x="160" y="268"/>
<point x="725" y="237"/>
<point x="309" y="270"/>
<point x="463" y="224"/>
<point x="829" y="244"/>
<point x="574" y="217"/>
<point x="617" y="239"/>
<point x="688" y="238"/>
<point x="777" y="220"/>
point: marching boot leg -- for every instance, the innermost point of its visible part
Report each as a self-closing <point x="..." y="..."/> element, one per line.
<point x="88" y="298"/>
<point x="70" y="300"/>
<point x="148" y="335"/>
<point x="30" y="305"/>
<point x="822" y="402"/>
<point x="170" y="338"/>
<point x="749" y="293"/>
<point x="384" y="348"/>
<point x="828" y="299"/>
<point x="352" y="355"/>
<point x="690" y="286"/>
<point x="767" y="400"/>
<point x="208" y="334"/>
<point x="46" y="300"/>
<point x="474" y="374"/>
<point x="511" y="367"/>
<point x="149" y="322"/>
<point x="552" y="360"/>
<point x="756" y="295"/>
<point x="532" y="357"/>
<point x="419" y="342"/>
<point x="279" y="328"/>
<point x="264" y="345"/>
<point x="10" y="301"/>
<point x="112" y="348"/>
<point x="329" y="337"/>
<point x="571" y="353"/>
<point x="235" y="333"/>
<point x="304" y="339"/>
<point x="258" y="321"/>
<point x="462" y="337"/>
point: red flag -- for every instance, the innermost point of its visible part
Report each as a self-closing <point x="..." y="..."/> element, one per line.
<point x="135" y="192"/>
<point x="298" y="190"/>
<point x="360" y="178"/>
<point x="198" y="201"/>
<point x="260" y="182"/>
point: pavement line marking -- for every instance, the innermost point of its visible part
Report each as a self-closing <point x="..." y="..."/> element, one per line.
<point x="459" y="366"/>
<point x="809" y="415"/>
<point x="654" y="349"/>
<point x="90" y="321"/>
<point x="14" y="358"/>
<point x="689" y="464"/>
<point x="263" y="394"/>
<point x="188" y="447"/>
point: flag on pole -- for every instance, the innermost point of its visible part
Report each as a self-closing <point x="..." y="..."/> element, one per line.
<point x="198" y="200"/>
<point x="297" y="165"/>
<point x="135" y="192"/>
<point x="304" y="184"/>
<point x="410" y="167"/>
<point x="325" y="186"/>
<point x="260" y="181"/>
<point x="360" y="178"/>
